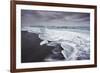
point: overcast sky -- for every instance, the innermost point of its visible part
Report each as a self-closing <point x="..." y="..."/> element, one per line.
<point x="54" y="18"/>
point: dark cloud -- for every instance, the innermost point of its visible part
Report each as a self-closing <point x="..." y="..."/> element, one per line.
<point x="54" y="18"/>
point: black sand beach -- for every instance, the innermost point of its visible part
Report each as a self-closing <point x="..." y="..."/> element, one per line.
<point x="31" y="51"/>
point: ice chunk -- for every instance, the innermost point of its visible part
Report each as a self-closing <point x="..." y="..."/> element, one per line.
<point x="70" y="51"/>
<point x="43" y="42"/>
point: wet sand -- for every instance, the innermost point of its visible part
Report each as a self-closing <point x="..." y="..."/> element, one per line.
<point x="31" y="51"/>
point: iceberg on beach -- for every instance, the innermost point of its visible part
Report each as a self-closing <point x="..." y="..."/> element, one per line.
<point x="73" y="43"/>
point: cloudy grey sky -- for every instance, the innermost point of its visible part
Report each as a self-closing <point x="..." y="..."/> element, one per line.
<point x="54" y="18"/>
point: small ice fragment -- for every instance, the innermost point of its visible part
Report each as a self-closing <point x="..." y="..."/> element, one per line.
<point x="43" y="42"/>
